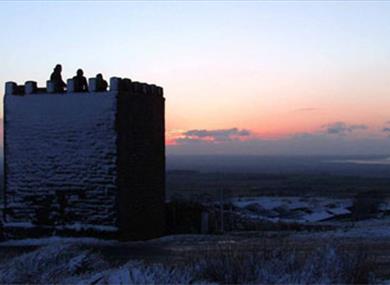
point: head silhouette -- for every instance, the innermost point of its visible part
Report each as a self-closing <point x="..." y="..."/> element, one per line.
<point x="80" y="72"/>
<point x="99" y="76"/>
<point x="58" y="68"/>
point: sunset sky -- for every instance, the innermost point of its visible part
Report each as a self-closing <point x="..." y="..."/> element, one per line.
<point x="283" y="77"/>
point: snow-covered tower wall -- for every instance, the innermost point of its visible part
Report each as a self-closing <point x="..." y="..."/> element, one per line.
<point x="85" y="163"/>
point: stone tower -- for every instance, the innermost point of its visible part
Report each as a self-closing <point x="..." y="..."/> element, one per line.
<point x="88" y="164"/>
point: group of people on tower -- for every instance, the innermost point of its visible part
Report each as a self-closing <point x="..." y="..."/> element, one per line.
<point x="80" y="83"/>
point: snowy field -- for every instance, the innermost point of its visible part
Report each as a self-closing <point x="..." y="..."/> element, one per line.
<point x="349" y="252"/>
<point x="296" y="209"/>
<point x="209" y="260"/>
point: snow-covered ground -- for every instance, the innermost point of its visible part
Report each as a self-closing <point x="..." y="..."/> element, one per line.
<point x="75" y="264"/>
<point x="80" y="260"/>
<point x="293" y="209"/>
<point x="315" y="210"/>
<point x="366" y="229"/>
<point x="58" y="240"/>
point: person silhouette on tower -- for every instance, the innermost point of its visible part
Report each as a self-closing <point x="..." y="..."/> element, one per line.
<point x="56" y="78"/>
<point x="101" y="84"/>
<point x="80" y="82"/>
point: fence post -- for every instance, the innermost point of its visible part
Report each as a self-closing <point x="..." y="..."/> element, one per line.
<point x="221" y="209"/>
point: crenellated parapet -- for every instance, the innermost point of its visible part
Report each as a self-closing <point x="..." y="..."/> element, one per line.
<point x="126" y="85"/>
<point x="117" y="84"/>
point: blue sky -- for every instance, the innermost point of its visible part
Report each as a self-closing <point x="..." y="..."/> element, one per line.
<point x="278" y="69"/>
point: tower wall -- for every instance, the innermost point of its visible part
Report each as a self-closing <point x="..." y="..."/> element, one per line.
<point x="61" y="159"/>
<point x="141" y="165"/>
<point x="89" y="162"/>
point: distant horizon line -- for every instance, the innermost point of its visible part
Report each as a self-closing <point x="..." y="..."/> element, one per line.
<point x="276" y="155"/>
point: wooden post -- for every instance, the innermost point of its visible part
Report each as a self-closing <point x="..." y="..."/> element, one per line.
<point x="221" y="209"/>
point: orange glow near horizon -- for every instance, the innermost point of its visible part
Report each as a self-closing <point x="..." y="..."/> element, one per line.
<point x="272" y="106"/>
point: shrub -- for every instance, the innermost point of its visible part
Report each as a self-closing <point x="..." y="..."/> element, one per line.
<point x="233" y="265"/>
<point x="225" y="264"/>
<point x="49" y="264"/>
<point x="136" y="272"/>
<point x="367" y="204"/>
